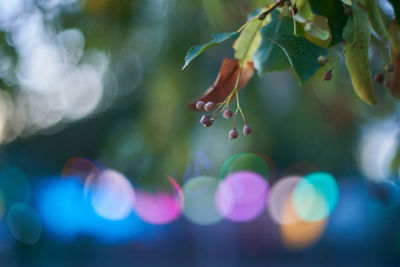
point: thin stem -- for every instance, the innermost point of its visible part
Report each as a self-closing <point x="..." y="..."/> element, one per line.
<point x="238" y="108"/>
<point x="228" y="99"/>
<point x="337" y="59"/>
<point x="344" y="50"/>
<point x="247" y="23"/>
<point x="294" y="22"/>
<point x="219" y="107"/>
<point x="261" y="16"/>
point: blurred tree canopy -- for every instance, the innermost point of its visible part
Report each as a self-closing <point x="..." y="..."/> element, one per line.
<point x="102" y="79"/>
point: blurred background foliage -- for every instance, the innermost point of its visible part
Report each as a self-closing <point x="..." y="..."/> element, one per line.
<point x="102" y="80"/>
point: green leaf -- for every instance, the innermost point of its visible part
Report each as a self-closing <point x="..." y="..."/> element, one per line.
<point x="357" y="35"/>
<point x="196" y="51"/>
<point x="396" y="7"/>
<point x="302" y="54"/>
<point x="269" y="56"/>
<point x="334" y="12"/>
<point x="248" y="42"/>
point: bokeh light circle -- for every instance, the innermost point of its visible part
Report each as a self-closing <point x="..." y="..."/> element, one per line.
<point x="316" y="196"/>
<point x="24" y="223"/>
<point x="160" y="207"/>
<point x="80" y="167"/>
<point x="301" y="234"/>
<point x="279" y="193"/>
<point x="245" y="162"/>
<point x="157" y="208"/>
<point x="241" y="196"/>
<point x="111" y="195"/>
<point x="199" y="195"/>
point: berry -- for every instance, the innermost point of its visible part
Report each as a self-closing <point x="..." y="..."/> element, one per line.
<point x="246" y="130"/>
<point x="205" y="120"/>
<point x="200" y="105"/>
<point x="348" y="11"/>
<point x="227" y="114"/>
<point x="208" y="124"/>
<point x="209" y="106"/>
<point x="233" y="134"/>
<point x="322" y="60"/>
<point x="328" y="76"/>
<point x="379" y="77"/>
<point x="389" y="68"/>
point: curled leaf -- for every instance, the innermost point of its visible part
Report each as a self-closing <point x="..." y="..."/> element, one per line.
<point x="357" y="36"/>
<point x="333" y="11"/>
<point x="317" y="31"/>
<point x="226" y="80"/>
<point x="197" y="50"/>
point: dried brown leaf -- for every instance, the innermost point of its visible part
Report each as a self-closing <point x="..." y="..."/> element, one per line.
<point x="226" y="80"/>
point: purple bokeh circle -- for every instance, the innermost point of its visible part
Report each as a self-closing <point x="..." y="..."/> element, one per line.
<point x="241" y="196"/>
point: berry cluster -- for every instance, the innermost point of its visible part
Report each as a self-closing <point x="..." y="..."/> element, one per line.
<point x="384" y="78"/>
<point x="324" y="60"/>
<point x="208" y="119"/>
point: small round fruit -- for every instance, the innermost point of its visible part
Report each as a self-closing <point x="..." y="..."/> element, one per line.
<point x="209" y="106"/>
<point x="205" y="119"/>
<point x="246" y="130"/>
<point x="208" y="124"/>
<point x="227" y="114"/>
<point x="379" y="77"/>
<point x="328" y="76"/>
<point x="200" y="105"/>
<point x="323" y="60"/>
<point x="389" y="68"/>
<point x="233" y="134"/>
